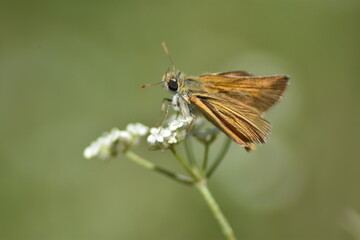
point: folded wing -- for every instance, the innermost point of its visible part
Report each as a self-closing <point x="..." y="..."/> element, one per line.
<point x="239" y="122"/>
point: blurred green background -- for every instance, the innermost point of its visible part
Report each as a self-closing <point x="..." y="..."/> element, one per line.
<point x="70" y="70"/>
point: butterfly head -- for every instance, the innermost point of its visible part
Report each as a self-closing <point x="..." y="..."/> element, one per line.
<point x="172" y="80"/>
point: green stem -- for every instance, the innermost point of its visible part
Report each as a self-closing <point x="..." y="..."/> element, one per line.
<point x="206" y="157"/>
<point x="220" y="157"/>
<point x="189" y="152"/>
<point x="183" y="163"/>
<point x="151" y="166"/>
<point x="215" y="209"/>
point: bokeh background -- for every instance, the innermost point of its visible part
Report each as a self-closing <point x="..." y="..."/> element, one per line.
<point x="70" y="70"/>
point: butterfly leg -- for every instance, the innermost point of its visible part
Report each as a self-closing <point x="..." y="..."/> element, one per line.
<point x="187" y="114"/>
<point x="165" y="105"/>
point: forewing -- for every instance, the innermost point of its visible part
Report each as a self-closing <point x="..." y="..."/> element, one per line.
<point x="259" y="93"/>
<point x="239" y="122"/>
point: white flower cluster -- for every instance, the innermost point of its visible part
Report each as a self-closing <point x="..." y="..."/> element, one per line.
<point x="116" y="142"/>
<point x="173" y="132"/>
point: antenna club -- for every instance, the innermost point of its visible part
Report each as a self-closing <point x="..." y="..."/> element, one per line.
<point x="163" y="44"/>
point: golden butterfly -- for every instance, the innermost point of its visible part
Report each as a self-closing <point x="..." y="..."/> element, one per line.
<point x="234" y="101"/>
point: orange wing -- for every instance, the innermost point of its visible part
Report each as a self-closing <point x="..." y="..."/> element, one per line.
<point x="239" y="122"/>
<point x="258" y="93"/>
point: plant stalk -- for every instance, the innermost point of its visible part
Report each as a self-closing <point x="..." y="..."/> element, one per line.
<point x="151" y="166"/>
<point x="215" y="209"/>
<point x="206" y="157"/>
<point x="189" y="152"/>
<point x="184" y="164"/>
<point x="220" y="157"/>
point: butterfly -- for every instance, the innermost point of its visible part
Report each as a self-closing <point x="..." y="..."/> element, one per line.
<point x="235" y="101"/>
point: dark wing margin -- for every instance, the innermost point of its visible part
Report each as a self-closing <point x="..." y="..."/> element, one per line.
<point x="239" y="122"/>
<point x="229" y="74"/>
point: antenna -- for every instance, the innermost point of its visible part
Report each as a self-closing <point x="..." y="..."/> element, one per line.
<point x="171" y="61"/>
<point x="167" y="53"/>
<point x="149" y="84"/>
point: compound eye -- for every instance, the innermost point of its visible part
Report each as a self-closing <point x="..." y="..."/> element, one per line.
<point x="173" y="85"/>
